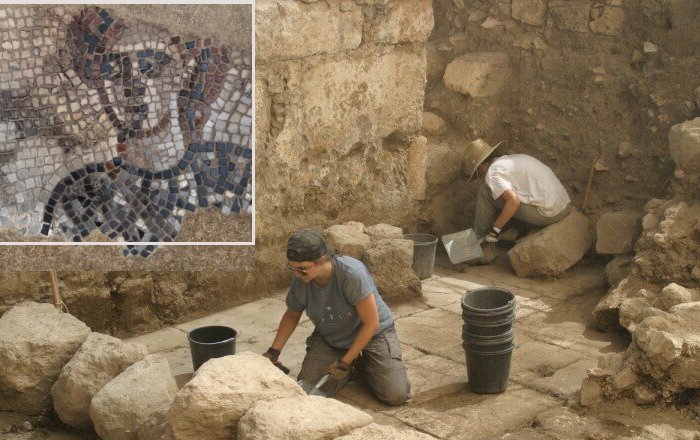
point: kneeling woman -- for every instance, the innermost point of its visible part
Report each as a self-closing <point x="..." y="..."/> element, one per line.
<point x="350" y="318"/>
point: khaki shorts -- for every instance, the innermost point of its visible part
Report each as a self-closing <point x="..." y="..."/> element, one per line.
<point x="380" y="364"/>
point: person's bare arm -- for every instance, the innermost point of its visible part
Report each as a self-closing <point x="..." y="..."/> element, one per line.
<point x="288" y="323"/>
<point x="367" y="311"/>
<point x="512" y="202"/>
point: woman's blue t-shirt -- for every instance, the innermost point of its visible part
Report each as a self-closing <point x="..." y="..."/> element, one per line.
<point x="332" y="307"/>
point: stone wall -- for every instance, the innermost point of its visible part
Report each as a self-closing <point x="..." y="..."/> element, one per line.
<point x="571" y="81"/>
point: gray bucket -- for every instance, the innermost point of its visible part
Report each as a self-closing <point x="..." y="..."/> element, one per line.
<point x="424" y="246"/>
<point x="211" y="342"/>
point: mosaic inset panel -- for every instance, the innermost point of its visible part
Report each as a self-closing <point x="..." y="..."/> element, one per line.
<point x="118" y="128"/>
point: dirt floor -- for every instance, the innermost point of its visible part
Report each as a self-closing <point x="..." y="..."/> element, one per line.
<point x="555" y="345"/>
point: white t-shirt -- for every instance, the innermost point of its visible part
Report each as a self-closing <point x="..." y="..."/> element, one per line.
<point x="533" y="182"/>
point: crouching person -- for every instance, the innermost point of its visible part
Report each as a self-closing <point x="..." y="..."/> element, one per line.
<point x="350" y="319"/>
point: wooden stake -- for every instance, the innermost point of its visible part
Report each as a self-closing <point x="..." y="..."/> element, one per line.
<point x="54" y="286"/>
<point x="588" y="185"/>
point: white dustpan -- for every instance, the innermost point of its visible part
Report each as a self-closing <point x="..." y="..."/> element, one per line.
<point x="462" y="246"/>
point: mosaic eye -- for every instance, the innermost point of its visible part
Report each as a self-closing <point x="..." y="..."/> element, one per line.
<point x="148" y="68"/>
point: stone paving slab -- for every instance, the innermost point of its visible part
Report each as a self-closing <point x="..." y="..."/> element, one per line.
<point x="563" y="382"/>
<point x="165" y="339"/>
<point x="468" y="415"/>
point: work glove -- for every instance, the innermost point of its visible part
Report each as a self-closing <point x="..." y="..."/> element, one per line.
<point x="339" y="370"/>
<point x="492" y="236"/>
<point x="273" y="354"/>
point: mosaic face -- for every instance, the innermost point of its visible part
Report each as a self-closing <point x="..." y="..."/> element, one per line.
<point x="121" y="129"/>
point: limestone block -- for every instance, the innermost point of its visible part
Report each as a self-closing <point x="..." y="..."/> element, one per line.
<point x="383" y="230"/>
<point x="404" y="21"/>
<point x="433" y="125"/>
<point x="610" y="21"/>
<point x="478" y="74"/>
<point x="591" y="392"/>
<point x="300" y="418"/>
<point x="554" y="249"/>
<point x="631" y="311"/>
<point x="672" y="295"/>
<point x="154" y="428"/>
<point x="532" y="12"/>
<point x="36" y="341"/>
<point x="656" y="338"/>
<point x="120" y="408"/>
<point x="99" y="360"/>
<point x="570" y="15"/>
<point x="684" y="143"/>
<point x="287" y="30"/>
<point x="357" y="98"/>
<point x="617" y="232"/>
<point x="389" y="253"/>
<point x="625" y="379"/>
<point x="443" y="165"/>
<point x="384" y="432"/>
<point x="348" y="240"/>
<point x="228" y="387"/>
<point x="417" y="167"/>
<point x="389" y="261"/>
<point x="617" y="269"/>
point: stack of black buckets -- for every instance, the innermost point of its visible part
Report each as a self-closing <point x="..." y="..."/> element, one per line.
<point x="487" y="337"/>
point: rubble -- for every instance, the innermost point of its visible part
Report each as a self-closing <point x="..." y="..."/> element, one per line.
<point x="554" y="249"/>
<point x="533" y="12"/>
<point x="444" y="165"/>
<point x="100" y="359"/>
<point x="126" y="402"/>
<point x="617" y="269"/>
<point x="684" y="144"/>
<point x="617" y="232"/>
<point x="228" y="387"/>
<point x="36" y="341"/>
<point x="300" y="418"/>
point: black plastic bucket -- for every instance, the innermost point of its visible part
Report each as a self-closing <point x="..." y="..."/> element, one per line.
<point x="487" y="302"/>
<point x="488" y="372"/>
<point x="211" y="342"/>
<point x="490" y="326"/>
<point x="487" y="343"/>
<point x="424" y="246"/>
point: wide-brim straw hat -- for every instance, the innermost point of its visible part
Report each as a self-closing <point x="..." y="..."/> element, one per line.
<point x="477" y="151"/>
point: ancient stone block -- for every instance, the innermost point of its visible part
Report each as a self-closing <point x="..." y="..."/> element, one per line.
<point x="383" y="230"/>
<point x="287" y="30"/>
<point x="478" y="74"/>
<point x="625" y="379"/>
<point x="347" y="240"/>
<point x="433" y="125"/>
<point x="684" y="143"/>
<point x="532" y="12"/>
<point x="390" y="253"/>
<point x="389" y="261"/>
<point x="610" y="20"/>
<point x="443" y="165"/>
<point x="405" y="21"/>
<point x="126" y="402"/>
<point x="570" y="15"/>
<point x="99" y="360"/>
<point x="554" y="249"/>
<point x="417" y="167"/>
<point x="384" y="432"/>
<point x="227" y="387"/>
<point x="617" y="232"/>
<point x="36" y="341"/>
<point x="348" y="100"/>
<point x="307" y="417"/>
